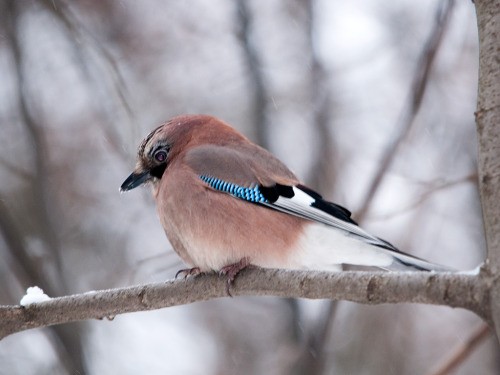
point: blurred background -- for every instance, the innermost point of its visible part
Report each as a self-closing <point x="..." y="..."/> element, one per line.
<point x="369" y="102"/>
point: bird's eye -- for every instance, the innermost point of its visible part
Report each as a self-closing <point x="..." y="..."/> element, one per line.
<point x="161" y="156"/>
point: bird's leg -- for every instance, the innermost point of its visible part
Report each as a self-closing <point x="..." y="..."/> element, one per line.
<point x="232" y="270"/>
<point x="188" y="272"/>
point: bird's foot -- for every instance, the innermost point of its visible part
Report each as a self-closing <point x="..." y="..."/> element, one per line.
<point x="188" y="272"/>
<point x="232" y="270"/>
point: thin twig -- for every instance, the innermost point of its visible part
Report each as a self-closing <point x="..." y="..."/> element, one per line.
<point x="15" y="170"/>
<point x="462" y="351"/>
<point x="323" y="170"/>
<point x="320" y="338"/>
<point x="256" y="78"/>
<point x="66" y="342"/>
<point x="41" y="191"/>
<point x="22" y="265"/>
<point x="414" y="101"/>
<point x="472" y="178"/>
<point x="82" y="36"/>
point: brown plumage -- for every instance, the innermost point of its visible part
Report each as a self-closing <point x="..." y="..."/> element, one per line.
<point x="223" y="201"/>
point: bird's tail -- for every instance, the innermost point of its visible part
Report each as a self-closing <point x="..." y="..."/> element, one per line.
<point x="326" y="248"/>
<point x="406" y="262"/>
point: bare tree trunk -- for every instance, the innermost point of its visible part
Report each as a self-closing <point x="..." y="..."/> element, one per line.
<point x="488" y="127"/>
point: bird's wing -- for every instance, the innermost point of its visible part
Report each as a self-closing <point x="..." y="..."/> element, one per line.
<point x="301" y="201"/>
<point x="243" y="164"/>
<point x="257" y="176"/>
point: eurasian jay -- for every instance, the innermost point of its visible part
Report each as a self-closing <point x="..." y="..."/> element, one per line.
<point x="226" y="203"/>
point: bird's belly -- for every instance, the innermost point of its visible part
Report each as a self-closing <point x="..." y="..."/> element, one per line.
<point x="211" y="230"/>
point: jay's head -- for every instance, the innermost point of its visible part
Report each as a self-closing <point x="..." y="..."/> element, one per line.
<point x="164" y="144"/>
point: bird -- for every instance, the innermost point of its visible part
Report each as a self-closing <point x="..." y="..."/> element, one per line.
<point x="226" y="203"/>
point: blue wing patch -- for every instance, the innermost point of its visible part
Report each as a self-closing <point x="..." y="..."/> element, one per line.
<point x="249" y="194"/>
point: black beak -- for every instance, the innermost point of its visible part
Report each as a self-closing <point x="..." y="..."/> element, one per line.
<point x="134" y="180"/>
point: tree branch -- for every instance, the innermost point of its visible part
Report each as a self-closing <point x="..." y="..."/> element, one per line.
<point x="488" y="128"/>
<point x="468" y="291"/>
<point x="488" y="120"/>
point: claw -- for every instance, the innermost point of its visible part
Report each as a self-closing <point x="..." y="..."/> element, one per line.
<point x="232" y="270"/>
<point x="188" y="272"/>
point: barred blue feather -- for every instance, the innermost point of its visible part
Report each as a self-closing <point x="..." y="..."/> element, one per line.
<point x="252" y="194"/>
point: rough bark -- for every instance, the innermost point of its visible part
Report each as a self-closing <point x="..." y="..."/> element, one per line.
<point x="451" y="289"/>
<point x="488" y="127"/>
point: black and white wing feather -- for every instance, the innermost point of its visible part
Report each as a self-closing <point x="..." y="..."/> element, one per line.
<point x="305" y="203"/>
